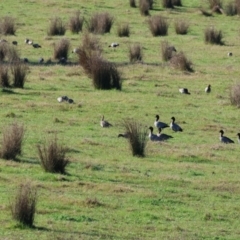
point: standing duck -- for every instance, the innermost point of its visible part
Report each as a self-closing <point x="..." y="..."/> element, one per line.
<point x="208" y="89"/>
<point x="104" y="123"/>
<point x="159" y="124"/>
<point x="152" y="136"/>
<point x="163" y="136"/>
<point x="174" y="126"/>
<point x="114" y="45"/>
<point x="224" y="139"/>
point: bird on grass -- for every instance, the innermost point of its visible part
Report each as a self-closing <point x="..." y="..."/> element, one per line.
<point x="224" y="139"/>
<point x="15" y="43"/>
<point x="124" y="135"/>
<point x="104" y="123"/>
<point x="208" y="89"/>
<point x="159" y="124"/>
<point x="184" y="91"/>
<point x="36" y="45"/>
<point x="163" y="136"/>
<point x="113" y="45"/>
<point x="153" y="137"/>
<point x="174" y="126"/>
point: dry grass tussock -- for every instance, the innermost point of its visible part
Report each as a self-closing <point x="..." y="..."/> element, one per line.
<point x="213" y="36"/>
<point x="135" y="52"/>
<point x="52" y="157"/>
<point x="181" y="27"/>
<point x="137" y="137"/>
<point x="235" y="95"/>
<point x="167" y="51"/>
<point x="61" y="49"/>
<point x="167" y="3"/>
<point x="7" y="26"/>
<point x="4" y="76"/>
<point x="24" y="205"/>
<point x="100" y="23"/>
<point x="76" y="23"/>
<point x="181" y="62"/>
<point x="56" y="27"/>
<point x="158" y="25"/>
<point x="123" y="30"/>
<point x="132" y="3"/>
<point x="12" y="141"/>
<point x="144" y="7"/>
<point x="19" y="71"/>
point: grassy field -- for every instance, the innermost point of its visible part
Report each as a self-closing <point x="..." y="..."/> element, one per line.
<point x="186" y="188"/>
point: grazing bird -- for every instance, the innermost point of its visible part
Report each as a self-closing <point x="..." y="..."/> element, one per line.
<point x="184" y="91"/>
<point x="208" y="89"/>
<point x="152" y="136"/>
<point x="124" y="135"/>
<point x="114" y="45"/>
<point x="174" y="126"/>
<point x="104" y="123"/>
<point x="224" y="139"/>
<point x="62" y="60"/>
<point x="27" y="41"/>
<point x="36" y="45"/>
<point x="163" y="136"/>
<point x="70" y="100"/>
<point x="25" y="60"/>
<point x="15" y="43"/>
<point x="159" y="124"/>
<point x="238" y="137"/>
<point x="41" y="60"/>
<point x="63" y="99"/>
<point x="230" y="54"/>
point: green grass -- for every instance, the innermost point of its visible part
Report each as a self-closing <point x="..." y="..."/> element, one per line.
<point x="186" y="188"/>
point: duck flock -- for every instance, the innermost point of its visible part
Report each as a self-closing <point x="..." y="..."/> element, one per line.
<point x="173" y="125"/>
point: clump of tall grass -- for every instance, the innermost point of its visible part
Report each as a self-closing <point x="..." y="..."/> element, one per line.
<point x="12" y="141"/>
<point x="158" y="25"/>
<point x="19" y="71"/>
<point x="23" y="207"/>
<point x="213" y="36"/>
<point x="132" y="3"/>
<point x="177" y="3"/>
<point x="167" y="4"/>
<point x="231" y="9"/>
<point x="4" y="76"/>
<point x="8" y="26"/>
<point x="216" y="6"/>
<point x="3" y="51"/>
<point x="76" y="23"/>
<point x="205" y="13"/>
<point x="52" y="157"/>
<point x="181" y="27"/>
<point x="235" y="95"/>
<point x="135" y="52"/>
<point x="56" y="27"/>
<point x="144" y="7"/>
<point x="104" y="74"/>
<point x="167" y="51"/>
<point x="137" y="137"/>
<point x="100" y="23"/>
<point x="12" y="54"/>
<point x="61" y="49"/>
<point x="181" y="62"/>
<point x="123" y="30"/>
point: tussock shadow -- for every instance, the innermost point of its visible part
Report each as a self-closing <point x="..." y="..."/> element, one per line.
<point x="9" y="91"/>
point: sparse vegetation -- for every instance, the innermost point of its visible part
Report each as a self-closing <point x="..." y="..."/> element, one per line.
<point x="56" y="27"/>
<point x="12" y="141"/>
<point x="100" y="23"/>
<point x="52" y="157"/>
<point x="230" y="9"/>
<point x="158" y="25"/>
<point x="235" y="94"/>
<point x="135" y="52"/>
<point x="181" y="27"/>
<point x="3" y="51"/>
<point x="167" y="3"/>
<point x="24" y="205"/>
<point x="181" y="62"/>
<point x="19" y="71"/>
<point x="132" y="3"/>
<point x="144" y="7"/>
<point x="61" y="49"/>
<point x="137" y="137"/>
<point x="4" y="76"/>
<point x="213" y="36"/>
<point x="76" y="23"/>
<point x="123" y="30"/>
<point x="8" y="26"/>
